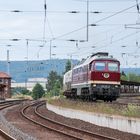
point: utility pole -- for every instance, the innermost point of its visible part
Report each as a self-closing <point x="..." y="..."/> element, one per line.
<point x="50" y="49"/>
<point x="27" y="43"/>
<point x="26" y="80"/>
<point x="8" y="62"/>
<point x="87" y="17"/>
<point x="71" y="61"/>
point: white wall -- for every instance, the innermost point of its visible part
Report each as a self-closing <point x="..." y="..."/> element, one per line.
<point x="131" y="125"/>
<point x="28" y="85"/>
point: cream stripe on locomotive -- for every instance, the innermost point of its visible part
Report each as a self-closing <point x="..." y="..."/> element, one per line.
<point x="98" y="82"/>
<point x="106" y="82"/>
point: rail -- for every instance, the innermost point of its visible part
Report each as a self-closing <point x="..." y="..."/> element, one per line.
<point x="83" y="132"/>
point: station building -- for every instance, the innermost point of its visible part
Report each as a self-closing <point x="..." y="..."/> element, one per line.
<point x="5" y="85"/>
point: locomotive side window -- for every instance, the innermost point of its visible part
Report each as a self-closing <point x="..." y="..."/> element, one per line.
<point x="113" y="67"/>
<point x="100" y="66"/>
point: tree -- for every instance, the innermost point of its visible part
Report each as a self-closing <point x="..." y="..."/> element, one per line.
<point x="51" y="80"/>
<point x="68" y="66"/>
<point x="133" y="77"/>
<point x="38" y="91"/>
<point x="54" y="84"/>
<point x="130" y="77"/>
<point x="56" y="88"/>
<point x="124" y="76"/>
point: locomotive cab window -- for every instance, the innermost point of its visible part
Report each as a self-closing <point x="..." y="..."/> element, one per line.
<point x="99" y="66"/>
<point x="113" y="67"/>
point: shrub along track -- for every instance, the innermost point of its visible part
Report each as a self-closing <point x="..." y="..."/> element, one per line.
<point x="69" y="131"/>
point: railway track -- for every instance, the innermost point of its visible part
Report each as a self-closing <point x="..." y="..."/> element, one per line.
<point x="7" y="104"/>
<point x="129" y="94"/>
<point x="127" y="101"/>
<point x="71" y="132"/>
<point x="121" y="101"/>
<point x="5" y="135"/>
<point x="3" y="105"/>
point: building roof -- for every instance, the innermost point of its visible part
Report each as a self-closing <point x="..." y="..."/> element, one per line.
<point x="4" y="75"/>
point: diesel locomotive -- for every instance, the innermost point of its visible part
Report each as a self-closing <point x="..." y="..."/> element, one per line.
<point x="98" y="77"/>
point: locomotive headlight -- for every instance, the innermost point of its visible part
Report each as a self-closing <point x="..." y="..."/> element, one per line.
<point x="116" y="86"/>
<point x="106" y="75"/>
<point x="94" y="85"/>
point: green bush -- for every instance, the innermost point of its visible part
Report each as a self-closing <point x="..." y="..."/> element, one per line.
<point x="131" y="110"/>
<point x="38" y="91"/>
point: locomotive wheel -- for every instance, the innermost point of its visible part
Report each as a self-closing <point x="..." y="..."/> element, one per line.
<point x="111" y="100"/>
<point x="94" y="99"/>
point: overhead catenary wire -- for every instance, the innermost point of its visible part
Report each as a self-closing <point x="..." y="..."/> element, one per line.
<point x="62" y="12"/>
<point x="52" y="37"/>
<point x="113" y="41"/>
<point x="105" y="0"/>
<point x="100" y="20"/>
<point x="117" y="40"/>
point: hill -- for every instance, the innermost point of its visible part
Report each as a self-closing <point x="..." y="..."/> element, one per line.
<point x="20" y="71"/>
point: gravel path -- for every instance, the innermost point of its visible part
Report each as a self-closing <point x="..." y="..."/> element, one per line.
<point x="13" y="116"/>
<point x="11" y="129"/>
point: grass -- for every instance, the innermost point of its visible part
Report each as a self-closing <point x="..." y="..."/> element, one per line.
<point x="100" y="107"/>
<point x="131" y="110"/>
<point x="21" y="96"/>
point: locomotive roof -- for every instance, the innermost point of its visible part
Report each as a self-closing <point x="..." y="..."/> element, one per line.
<point x="96" y="57"/>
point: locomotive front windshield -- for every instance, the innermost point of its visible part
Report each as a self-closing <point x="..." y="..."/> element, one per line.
<point x="109" y="66"/>
<point x="100" y="66"/>
<point x="113" y="66"/>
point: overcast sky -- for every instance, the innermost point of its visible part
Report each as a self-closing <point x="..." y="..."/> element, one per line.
<point x="110" y="34"/>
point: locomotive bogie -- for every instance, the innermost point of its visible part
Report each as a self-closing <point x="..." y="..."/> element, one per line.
<point x="106" y="92"/>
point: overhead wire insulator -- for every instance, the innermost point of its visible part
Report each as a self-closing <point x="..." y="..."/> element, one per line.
<point x="138" y="9"/>
<point x="71" y="40"/>
<point x="93" y="25"/>
<point x="82" y="41"/>
<point x="27" y="42"/>
<point x="16" y="11"/>
<point x="137" y="43"/>
<point x="77" y="44"/>
<point x="45" y="7"/>
<point x="96" y="12"/>
<point x="74" y="12"/>
<point x="15" y="39"/>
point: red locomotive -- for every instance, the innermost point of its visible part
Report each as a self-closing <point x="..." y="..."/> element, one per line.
<point x="98" y="77"/>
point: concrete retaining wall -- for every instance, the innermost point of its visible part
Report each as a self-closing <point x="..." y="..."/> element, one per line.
<point x="125" y="124"/>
